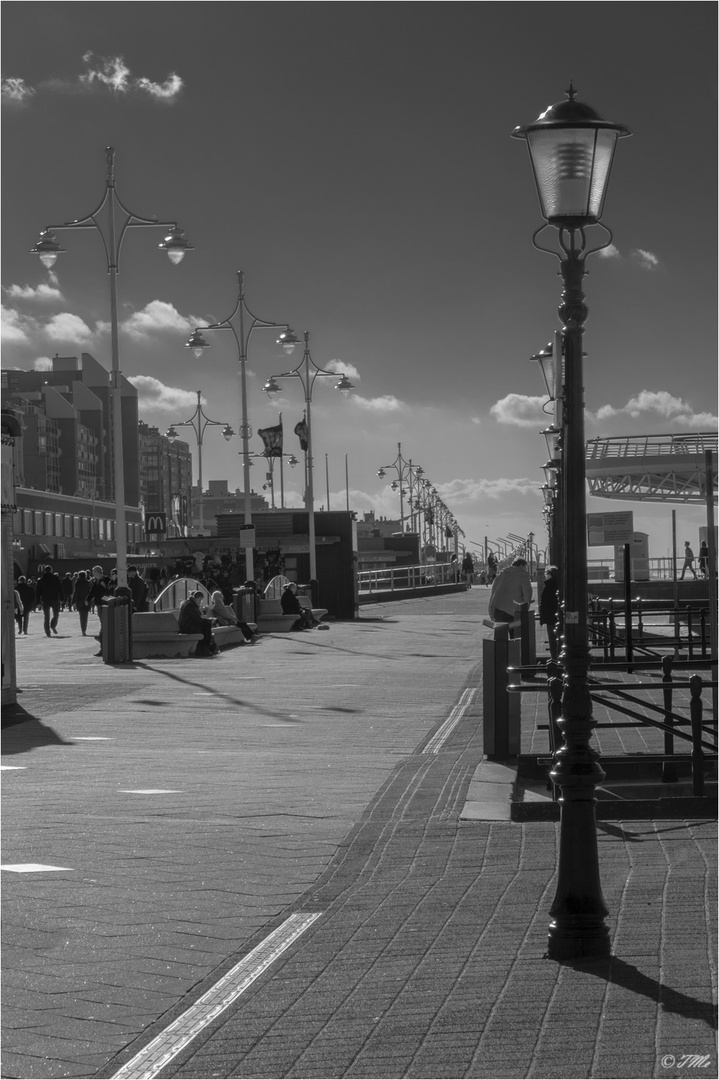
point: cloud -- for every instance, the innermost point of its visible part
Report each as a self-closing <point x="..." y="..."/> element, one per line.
<point x="660" y="403"/>
<point x="15" y="91"/>
<point x="646" y="259"/>
<point x="43" y="292"/>
<point x="155" y="396"/>
<point x="17" y="329"/>
<point x="104" y="73"/>
<point x="520" y="410"/>
<point x="475" y="420"/>
<point x="158" y="317"/>
<point x="611" y="251"/>
<point x="69" y="327"/>
<point x="343" y="368"/>
<point x="43" y="363"/>
<point x="471" y="491"/>
<point x="386" y="403"/>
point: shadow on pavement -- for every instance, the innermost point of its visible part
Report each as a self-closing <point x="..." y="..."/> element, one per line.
<point x="22" y="732"/>
<point x="276" y="714"/>
<point x="631" y="978"/>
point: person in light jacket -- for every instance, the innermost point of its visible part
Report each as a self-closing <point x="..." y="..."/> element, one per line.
<point x="511" y="588"/>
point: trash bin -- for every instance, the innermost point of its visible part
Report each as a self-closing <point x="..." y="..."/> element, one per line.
<point x="244" y="604"/>
<point x="502" y="710"/>
<point x="116" y="630"/>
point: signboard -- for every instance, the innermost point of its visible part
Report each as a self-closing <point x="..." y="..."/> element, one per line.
<point x="247" y="536"/>
<point x="610" y="529"/>
<point x="156" y="524"/>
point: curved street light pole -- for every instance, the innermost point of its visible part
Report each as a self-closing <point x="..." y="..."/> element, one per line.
<point x="112" y="236"/>
<point x="199" y="421"/>
<point x="247" y="323"/>
<point x="307" y="376"/>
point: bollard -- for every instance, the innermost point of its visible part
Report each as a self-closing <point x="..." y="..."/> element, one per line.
<point x="501" y="712"/>
<point x="669" y="769"/>
<point x="115" y="623"/>
<point x="695" y="711"/>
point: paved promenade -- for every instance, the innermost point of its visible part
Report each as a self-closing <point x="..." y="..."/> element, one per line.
<point x="256" y="866"/>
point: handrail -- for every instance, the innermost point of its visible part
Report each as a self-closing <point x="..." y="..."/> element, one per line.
<point x="399" y="578"/>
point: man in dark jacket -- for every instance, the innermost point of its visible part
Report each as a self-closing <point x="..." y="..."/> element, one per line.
<point x="138" y="588"/>
<point x="49" y="594"/>
<point x="27" y="596"/>
<point x="192" y="621"/>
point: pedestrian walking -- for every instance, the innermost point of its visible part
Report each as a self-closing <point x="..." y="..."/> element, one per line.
<point x="27" y="596"/>
<point x="510" y="589"/>
<point x="49" y="595"/>
<point x="491" y="567"/>
<point x="18" y="611"/>
<point x="704" y="558"/>
<point x="101" y="589"/>
<point x="138" y="588"/>
<point x="549" y="609"/>
<point x="688" y="561"/>
<point x="67" y="587"/>
<point x="468" y="569"/>
<point x="80" y="599"/>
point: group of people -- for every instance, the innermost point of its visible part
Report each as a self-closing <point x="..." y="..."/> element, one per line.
<point x="689" y="560"/>
<point x="469" y="569"/>
<point x="88" y="591"/>
<point x="512" y="588"/>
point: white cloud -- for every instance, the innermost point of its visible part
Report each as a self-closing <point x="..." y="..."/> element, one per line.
<point x="68" y="327"/>
<point x="155" y="396"/>
<point x="470" y="491"/>
<point x="520" y="410"/>
<point x="17" y="329"/>
<point x="646" y="259"/>
<point x="42" y="292"/>
<point x="660" y="403"/>
<point x="166" y="91"/>
<point x="112" y="72"/>
<point x="343" y="368"/>
<point x="43" y="363"/>
<point x="157" y="317"/>
<point x="16" y="91"/>
<point x="475" y="420"/>
<point x="611" y="251"/>
<point x="386" y="403"/>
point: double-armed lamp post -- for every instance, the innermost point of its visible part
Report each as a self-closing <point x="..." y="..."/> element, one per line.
<point x="408" y="477"/>
<point x="199" y="421"/>
<point x="113" y="227"/>
<point x="571" y="148"/>
<point x="307" y="371"/>
<point x="246" y="324"/>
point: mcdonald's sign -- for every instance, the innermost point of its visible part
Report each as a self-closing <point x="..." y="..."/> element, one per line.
<point x="156" y="524"/>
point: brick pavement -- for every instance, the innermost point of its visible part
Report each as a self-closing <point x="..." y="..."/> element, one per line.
<point x="428" y="958"/>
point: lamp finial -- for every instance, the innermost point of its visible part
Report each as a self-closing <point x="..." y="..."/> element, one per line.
<point x="571" y="92"/>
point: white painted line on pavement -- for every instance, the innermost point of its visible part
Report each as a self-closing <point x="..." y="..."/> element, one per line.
<point x="92" y="738"/>
<point x="150" y="791"/>
<point x="164" y="1047"/>
<point x="14" y="767"/>
<point x="440" y="737"/>
<point x="31" y="867"/>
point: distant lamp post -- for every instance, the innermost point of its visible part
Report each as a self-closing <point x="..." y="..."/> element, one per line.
<point x="199" y="421"/>
<point x="247" y="323"/>
<point x="112" y="233"/>
<point x="307" y="371"/>
<point x="571" y="150"/>
<point x="407" y="483"/>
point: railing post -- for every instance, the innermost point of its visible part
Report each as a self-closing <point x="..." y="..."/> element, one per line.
<point x="695" y="711"/>
<point x="612" y="634"/>
<point x="669" y="769"/>
<point x="640" y="621"/>
<point x="690" y="643"/>
<point x="703" y="631"/>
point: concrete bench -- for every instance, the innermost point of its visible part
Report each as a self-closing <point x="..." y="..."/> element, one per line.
<point x="272" y="620"/>
<point x="156" y="634"/>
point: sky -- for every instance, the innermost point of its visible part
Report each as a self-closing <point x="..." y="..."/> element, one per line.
<point x="355" y="161"/>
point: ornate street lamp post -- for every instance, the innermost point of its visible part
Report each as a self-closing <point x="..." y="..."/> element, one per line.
<point x="307" y="376"/>
<point x="199" y="421"/>
<point x="112" y="233"/>
<point x="407" y="482"/>
<point x="571" y="150"/>
<point x="247" y="323"/>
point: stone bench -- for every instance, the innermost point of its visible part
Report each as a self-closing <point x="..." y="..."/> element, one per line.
<point x="156" y="635"/>
<point x="272" y="620"/>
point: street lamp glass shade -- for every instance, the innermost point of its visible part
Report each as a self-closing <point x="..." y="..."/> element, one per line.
<point x="175" y="245"/>
<point x="344" y="386"/>
<point x="571" y="148"/>
<point x="227" y="432"/>
<point x="47" y="248"/>
<point x="197" y="343"/>
<point x="171" y="434"/>
<point x="381" y="473"/>
<point x="288" y="339"/>
<point x="545" y="359"/>
<point x="551" y="436"/>
<point x="394" y="485"/>
<point x="271" y="388"/>
<point x="293" y="461"/>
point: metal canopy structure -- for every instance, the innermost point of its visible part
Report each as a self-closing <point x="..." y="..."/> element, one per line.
<point x="652" y="468"/>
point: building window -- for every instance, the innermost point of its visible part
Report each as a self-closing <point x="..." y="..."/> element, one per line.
<point x="68" y="525"/>
<point x="59" y="530"/>
<point x="28" y="522"/>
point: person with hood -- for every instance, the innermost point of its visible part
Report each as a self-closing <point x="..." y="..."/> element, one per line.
<point x="511" y="588"/>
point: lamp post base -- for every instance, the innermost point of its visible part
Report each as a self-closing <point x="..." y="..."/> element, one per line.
<point x="578" y="939"/>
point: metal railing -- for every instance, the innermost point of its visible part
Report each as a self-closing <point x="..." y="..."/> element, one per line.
<point x="399" y="578"/>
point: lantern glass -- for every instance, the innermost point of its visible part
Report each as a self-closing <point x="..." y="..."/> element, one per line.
<point x="571" y="168"/>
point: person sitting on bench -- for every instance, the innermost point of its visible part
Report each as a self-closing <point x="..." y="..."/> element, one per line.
<point x="225" y="616"/>
<point x="291" y="606"/>
<point x="192" y="621"/>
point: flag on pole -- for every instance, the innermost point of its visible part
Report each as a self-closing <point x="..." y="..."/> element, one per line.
<point x="272" y="438"/>
<point x="301" y="433"/>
